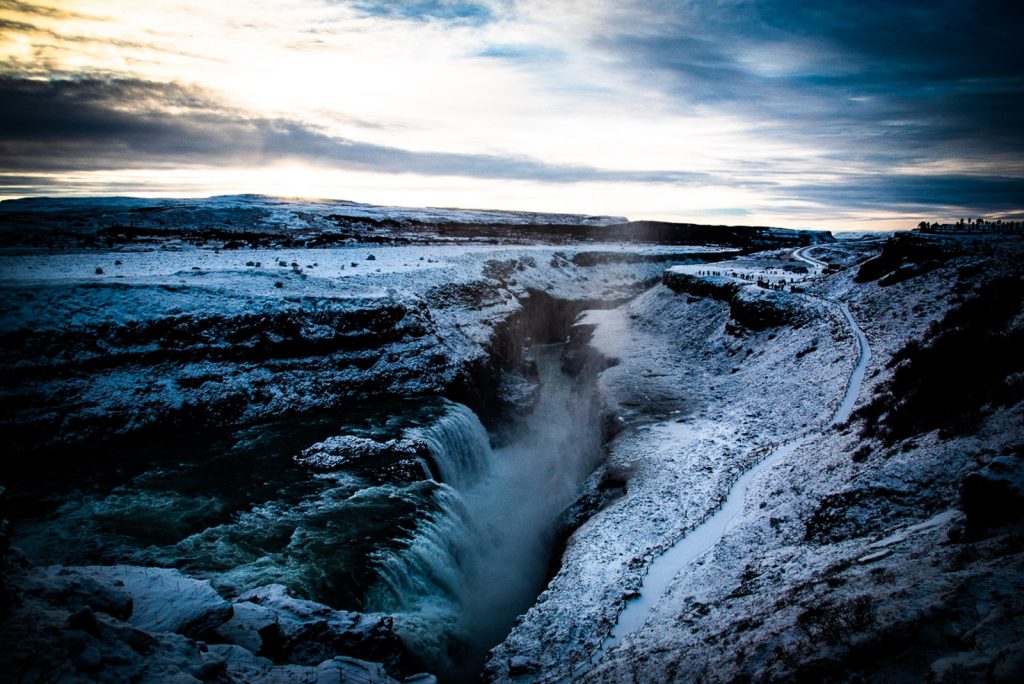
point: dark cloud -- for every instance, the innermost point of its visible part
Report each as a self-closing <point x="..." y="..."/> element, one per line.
<point x="881" y="80"/>
<point x="54" y="126"/>
<point x="917" y="193"/>
<point x="41" y="10"/>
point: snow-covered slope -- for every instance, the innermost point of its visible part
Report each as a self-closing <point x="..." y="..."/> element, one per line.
<point x="258" y="212"/>
<point x="852" y="556"/>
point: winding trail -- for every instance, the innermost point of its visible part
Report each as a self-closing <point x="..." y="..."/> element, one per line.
<point x="842" y="413"/>
<point x="802" y="255"/>
<point x="695" y="543"/>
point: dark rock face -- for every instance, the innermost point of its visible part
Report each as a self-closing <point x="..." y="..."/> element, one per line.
<point x="994" y="495"/>
<point x="578" y="357"/>
<point x="759" y="309"/>
<point x="966" y="364"/>
<point x="750" y="307"/>
<point x="716" y="287"/>
<point x="271" y="623"/>
<point x="542" y="319"/>
<point x="78" y="384"/>
<point x="317" y="328"/>
<point x="902" y="258"/>
<point x="852" y="513"/>
<point x="600" y="258"/>
<point x="395" y="459"/>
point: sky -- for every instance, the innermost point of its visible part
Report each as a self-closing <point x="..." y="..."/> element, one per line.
<point x="834" y="115"/>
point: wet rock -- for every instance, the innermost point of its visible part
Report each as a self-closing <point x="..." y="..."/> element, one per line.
<point x="516" y="392"/>
<point x="84" y="620"/>
<point x="76" y="589"/>
<point x="167" y="601"/>
<point x="1009" y="664"/>
<point x="344" y="669"/>
<point x="44" y="641"/>
<point x="210" y="670"/>
<point x="89" y="660"/>
<point x="75" y="641"/>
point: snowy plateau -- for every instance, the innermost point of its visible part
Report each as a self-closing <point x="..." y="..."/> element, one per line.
<point x="251" y="439"/>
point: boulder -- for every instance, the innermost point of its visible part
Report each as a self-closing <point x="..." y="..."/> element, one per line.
<point x="77" y="588"/>
<point x="151" y="599"/>
<point x="270" y="622"/>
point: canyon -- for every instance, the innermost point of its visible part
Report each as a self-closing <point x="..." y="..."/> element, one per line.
<point x="262" y="440"/>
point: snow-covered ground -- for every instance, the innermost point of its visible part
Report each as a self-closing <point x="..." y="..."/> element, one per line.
<point x="268" y="212"/>
<point x="101" y="344"/>
<point x="749" y="523"/>
<point x="377" y="264"/>
<point x="206" y="332"/>
<point x="802" y="581"/>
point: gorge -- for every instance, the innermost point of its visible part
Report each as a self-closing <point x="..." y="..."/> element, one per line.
<point x="516" y="450"/>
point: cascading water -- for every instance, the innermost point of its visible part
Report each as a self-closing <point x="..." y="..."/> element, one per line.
<point x="459" y="445"/>
<point x="481" y="559"/>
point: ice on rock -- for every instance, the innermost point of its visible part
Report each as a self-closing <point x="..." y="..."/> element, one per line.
<point x="345" y="450"/>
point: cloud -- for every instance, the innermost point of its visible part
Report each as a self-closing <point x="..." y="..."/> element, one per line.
<point x="457" y="11"/>
<point x="715" y="106"/>
<point x="94" y="124"/>
<point x="917" y="192"/>
<point x="877" y="80"/>
<point x="41" y="10"/>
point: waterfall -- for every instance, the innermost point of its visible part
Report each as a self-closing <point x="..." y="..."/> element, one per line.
<point x="459" y="446"/>
<point x="429" y="565"/>
<point x="423" y="584"/>
<point x="478" y="558"/>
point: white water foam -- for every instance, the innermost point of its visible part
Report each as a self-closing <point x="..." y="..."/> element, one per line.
<point x="459" y="446"/>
